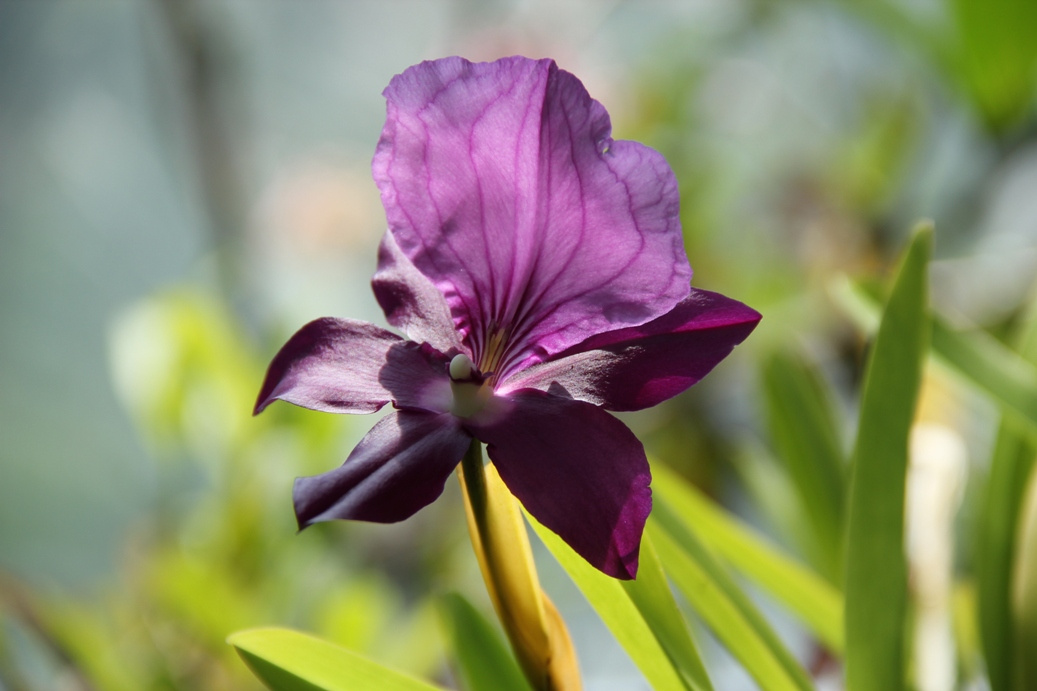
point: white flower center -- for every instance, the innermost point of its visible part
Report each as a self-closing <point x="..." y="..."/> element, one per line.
<point x="469" y="395"/>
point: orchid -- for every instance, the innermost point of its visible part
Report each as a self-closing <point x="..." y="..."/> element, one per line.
<point x="537" y="268"/>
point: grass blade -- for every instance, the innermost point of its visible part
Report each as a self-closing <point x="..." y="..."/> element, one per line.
<point x="652" y="596"/>
<point x="722" y="605"/>
<point x="1024" y="591"/>
<point x="287" y="660"/>
<point x="814" y="601"/>
<point x="876" y="566"/>
<point x="1014" y="452"/>
<point x="805" y="435"/>
<point x="484" y="660"/>
<point x="622" y="617"/>
<point x="986" y="363"/>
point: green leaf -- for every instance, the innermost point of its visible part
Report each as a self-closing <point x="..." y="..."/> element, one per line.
<point x="287" y="660"/>
<point x="623" y="618"/>
<point x="722" y="605"/>
<point x="991" y="366"/>
<point x="650" y="592"/>
<point x="805" y="435"/>
<point x="814" y="601"/>
<point x="982" y="360"/>
<point x="484" y="660"/>
<point x="995" y="547"/>
<point x="996" y="58"/>
<point x="876" y="566"/>
<point x="1024" y="591"/>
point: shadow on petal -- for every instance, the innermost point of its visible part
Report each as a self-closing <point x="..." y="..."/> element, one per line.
<point x="400" y="467"/>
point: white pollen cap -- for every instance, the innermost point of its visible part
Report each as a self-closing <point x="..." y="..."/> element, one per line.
<point x="461" y="367"/>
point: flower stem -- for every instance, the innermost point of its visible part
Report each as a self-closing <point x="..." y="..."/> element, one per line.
<point x="536" y="631"/>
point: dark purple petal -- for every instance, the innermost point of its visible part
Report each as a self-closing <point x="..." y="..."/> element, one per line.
<point x="411" y="302"/>
<point x="503" y="186"/>
<point x="347" y="366"/>
<point x="398" y="468"/>
<point x="577" y="469"/>
<point x="642" y="366"/>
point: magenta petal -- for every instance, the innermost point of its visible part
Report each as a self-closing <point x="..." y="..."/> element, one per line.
<point x="502" y="184"/>
<point x="347" y="366"/>
<point x="397" y="469"/>
<point x="411" y="302"/>
<point x="578" y="470"/>
<point x="642" y="366"/>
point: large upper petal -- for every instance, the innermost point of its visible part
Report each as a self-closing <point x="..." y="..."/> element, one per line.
<point x="641" y="366"/>
<point x="349" y="366"/>
<point x="503" y="186"/>
<point x="400" y="466"/>
<point x="578" y="470"/>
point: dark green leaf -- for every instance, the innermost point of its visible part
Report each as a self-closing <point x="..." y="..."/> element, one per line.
<point x="484" y="659"/>
<point x="876" y="566"/>
<point x="805" y="434"/>
<point x="1012" y="461"/>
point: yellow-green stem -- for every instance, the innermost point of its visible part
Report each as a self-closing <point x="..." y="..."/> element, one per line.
<point x="536" y="631"/>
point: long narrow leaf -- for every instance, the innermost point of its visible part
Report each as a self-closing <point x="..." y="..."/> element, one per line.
<point x="1011" y="463"/>
<point x="1024" y="591"/>
<point x="804" y="431"/>
<point x="621" y="616"/>
<point x="815" y="602"/>
<point x="990" y="366"/>
<point x="652" y="596"/>
<point x="287" y="660"/>
<point x="876" y="566"/>
<point x="483" y="659"/>
<point x="995" y="549"/>
<point x="723" y="606"/>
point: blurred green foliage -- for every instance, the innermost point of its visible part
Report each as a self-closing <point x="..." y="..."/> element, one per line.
<point x="807" y="139"/>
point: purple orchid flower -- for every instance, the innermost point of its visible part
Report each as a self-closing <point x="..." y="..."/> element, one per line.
<point x="538" y="269"/>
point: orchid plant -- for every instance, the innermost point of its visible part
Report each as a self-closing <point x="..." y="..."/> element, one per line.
<point x="535" y="267"/>
<point x="538" y="271"/>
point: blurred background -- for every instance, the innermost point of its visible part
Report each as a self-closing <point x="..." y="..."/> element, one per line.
<point x="183" y="183"/>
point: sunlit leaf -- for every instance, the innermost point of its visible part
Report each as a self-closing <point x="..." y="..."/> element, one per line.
<point x="723" y="606"/>
<point x="650" y="592"/>
<point x="483" y="659"/>
<point x="876" y="566"/>
<point x="805" y="434"/>
<point x="816" y="603"/>
<point x="623" y="618"/>
<point x="287" y="660"/>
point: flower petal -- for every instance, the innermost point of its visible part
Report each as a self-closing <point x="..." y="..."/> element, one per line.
<point x="348" y="366"/>
<point x="398" y="468"/>
<point x="579" y="470"/>
<point x="502" y="184"/>
<point x="641" y="366"/>
<point x="411" y="302"/>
